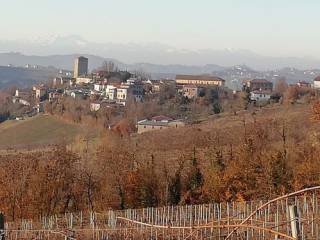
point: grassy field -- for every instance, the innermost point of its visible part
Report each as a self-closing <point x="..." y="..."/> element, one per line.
<point x="37" y="131"/>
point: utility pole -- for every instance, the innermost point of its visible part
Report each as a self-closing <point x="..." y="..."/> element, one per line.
<point x="294" y="219"/>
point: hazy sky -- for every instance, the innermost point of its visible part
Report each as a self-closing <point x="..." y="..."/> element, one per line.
<point x="269" y="27"/>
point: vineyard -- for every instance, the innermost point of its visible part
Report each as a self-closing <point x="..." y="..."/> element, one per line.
<point x="293" y="216"/>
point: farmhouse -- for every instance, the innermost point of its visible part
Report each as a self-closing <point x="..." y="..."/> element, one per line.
<point x="158" y="123"/>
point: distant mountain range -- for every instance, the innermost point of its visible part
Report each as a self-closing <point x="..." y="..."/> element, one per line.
<point x="158" y="54"/>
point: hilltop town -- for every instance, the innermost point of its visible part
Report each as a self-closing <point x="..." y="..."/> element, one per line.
<point x="108" y="94"/>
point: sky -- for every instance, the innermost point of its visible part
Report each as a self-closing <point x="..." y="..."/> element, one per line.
<point x="268" y="27"/>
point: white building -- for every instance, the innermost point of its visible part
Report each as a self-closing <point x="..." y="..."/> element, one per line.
<point x="21" y="101"/>
<point x="94" y="107"/>
<point x="111" y="92"/>
<point x="40" y="91"/>
<point x="122" y="93"/>
<point x="59" y="81"/>
<point x="98" y="87"/>
<point x="316" y="83"/>
<point x="260" y="96"/>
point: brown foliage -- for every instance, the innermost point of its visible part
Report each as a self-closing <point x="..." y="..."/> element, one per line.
<point x="237" y="158"/>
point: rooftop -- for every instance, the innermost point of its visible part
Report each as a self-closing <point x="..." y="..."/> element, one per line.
<point x="152" y="123"/>
<point x="317" y="79"/>
<point x="161" y="118"/>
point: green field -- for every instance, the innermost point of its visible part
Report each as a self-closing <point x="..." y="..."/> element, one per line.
<point x="38" y="131"/>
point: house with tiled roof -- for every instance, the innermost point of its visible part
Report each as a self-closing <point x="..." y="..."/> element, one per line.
<point x="158" y="123"/>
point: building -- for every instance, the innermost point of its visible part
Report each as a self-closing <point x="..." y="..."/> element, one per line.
<point x="21" y="101"/>
<point x="53" y="96"/>
<point x="111" y="92"/>
<point x="316" y="83"/>
<point x="60" y="81"/>
<point x="136" y="89"/>
<point x="39" y="107"/>
<point x="80" y="67"/>
<point x="95" y="106"/>
<point x="259" y="84"/>
<point x="98" y="87"/>
<point x="133" y="88"/>
<point x="156" y="85"/>
<point x="23" y="93"/>
<point x="158" y="123"/>
<point x="83" y="80"/>
<point x="122" y="93"/>
<point x="199" y="80"/>
<point x="40" y="91"/>
<point x="260" y="96"/>
<point x="190" y="91"/>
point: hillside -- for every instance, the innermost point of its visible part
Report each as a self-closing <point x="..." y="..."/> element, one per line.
<point x="255" y="154"/>
<point x="24" y="77"/>
<point x="38" y="131"/>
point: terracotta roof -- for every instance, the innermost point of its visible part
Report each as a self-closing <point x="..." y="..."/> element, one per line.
<point x="317" y="78"/>
<point x="199" y="77"/>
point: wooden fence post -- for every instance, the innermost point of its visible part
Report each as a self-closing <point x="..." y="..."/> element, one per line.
<point x="294" y="220"/>
<point x="2" y="233"/>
